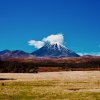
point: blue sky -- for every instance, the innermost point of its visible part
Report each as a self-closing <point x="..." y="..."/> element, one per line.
<point x="24" y="20"/>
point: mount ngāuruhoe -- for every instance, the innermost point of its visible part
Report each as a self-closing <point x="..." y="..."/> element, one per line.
<point x="54" y="51"/>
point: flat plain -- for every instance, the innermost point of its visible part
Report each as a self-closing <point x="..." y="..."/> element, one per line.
<point x="65" y="85"/>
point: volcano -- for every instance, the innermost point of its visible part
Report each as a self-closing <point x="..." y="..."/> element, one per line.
<point x="54" y="51"/>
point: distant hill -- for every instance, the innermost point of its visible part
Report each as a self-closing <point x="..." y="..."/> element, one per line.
<point x="7" y="54"/>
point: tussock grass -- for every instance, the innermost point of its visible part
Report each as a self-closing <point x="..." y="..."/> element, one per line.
<point x="49" y="90"/>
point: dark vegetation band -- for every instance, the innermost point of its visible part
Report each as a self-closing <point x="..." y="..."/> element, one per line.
<point x="34" y="67"/>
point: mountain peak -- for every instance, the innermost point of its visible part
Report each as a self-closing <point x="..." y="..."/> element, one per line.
<point x="55" y="46"/>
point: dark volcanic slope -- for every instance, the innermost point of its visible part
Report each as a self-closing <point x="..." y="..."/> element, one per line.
<point x="54" y="50"/>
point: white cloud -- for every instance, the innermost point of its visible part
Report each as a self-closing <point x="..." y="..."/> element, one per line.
<point x="36" y="44"/>
<point x="91" y="53"/>
<point x="52" y="39"/>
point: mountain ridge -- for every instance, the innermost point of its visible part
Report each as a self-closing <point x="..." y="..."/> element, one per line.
<point x="8" y="54"/>
<point x="47" y="51"/>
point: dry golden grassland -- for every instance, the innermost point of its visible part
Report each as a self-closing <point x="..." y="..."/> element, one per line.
<point x="72" y="85"/>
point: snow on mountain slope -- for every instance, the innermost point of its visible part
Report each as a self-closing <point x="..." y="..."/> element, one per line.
<point x="54" y="50"/>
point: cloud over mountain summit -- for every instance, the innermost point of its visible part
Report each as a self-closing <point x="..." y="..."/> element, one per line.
<point x="52" y="39"/>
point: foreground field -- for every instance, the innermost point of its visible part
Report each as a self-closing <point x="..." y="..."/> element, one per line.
<point x="72" y="85"/>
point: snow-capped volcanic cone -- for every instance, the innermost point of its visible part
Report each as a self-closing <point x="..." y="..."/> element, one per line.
<point x="54" y="51"/>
